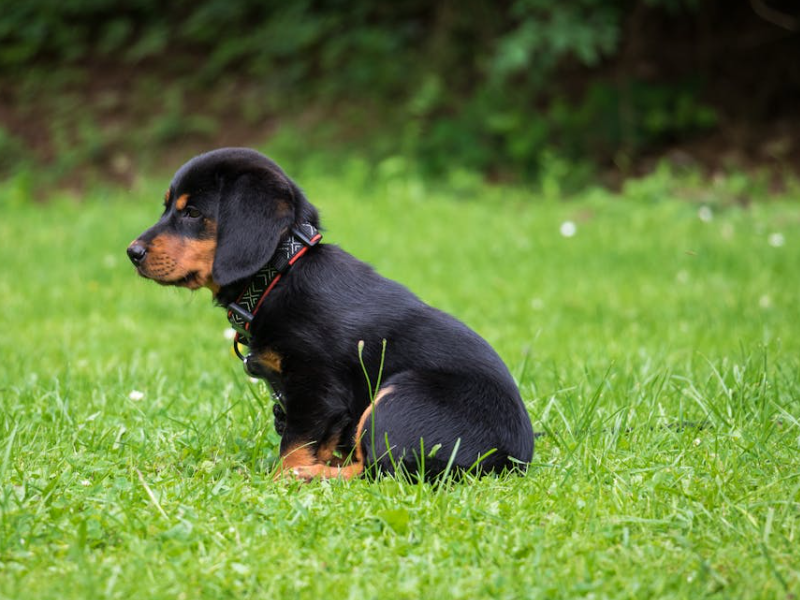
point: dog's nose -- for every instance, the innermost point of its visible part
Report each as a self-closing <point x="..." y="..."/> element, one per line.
<point x="137" y="252"/>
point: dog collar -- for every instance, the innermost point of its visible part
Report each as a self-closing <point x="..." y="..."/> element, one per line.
<point x="243" y="310"/>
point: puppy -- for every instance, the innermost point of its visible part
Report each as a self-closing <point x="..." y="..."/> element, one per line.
<point x="315" y="319"/>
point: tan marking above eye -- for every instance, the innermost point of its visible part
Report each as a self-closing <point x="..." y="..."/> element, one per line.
<point x="180" y="202"/>
<point x="167" y="196"/>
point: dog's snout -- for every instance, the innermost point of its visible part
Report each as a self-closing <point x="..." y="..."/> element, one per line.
<point x="137" y="252"/>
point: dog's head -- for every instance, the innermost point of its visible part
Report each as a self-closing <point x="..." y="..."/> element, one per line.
<point x="224" y="214"/>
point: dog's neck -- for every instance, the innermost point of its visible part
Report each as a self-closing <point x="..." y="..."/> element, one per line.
<point x="244" y="298"/>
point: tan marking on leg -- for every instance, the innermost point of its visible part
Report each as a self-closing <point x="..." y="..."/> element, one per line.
<point x="326" y="453"/>
<point x="301" y="462"/>
<point x="328" y="472"/>
<point x="300" y="455"/>
<point x="180" y="201"/>
<point x="359" y="453"/>
<point x="295" y="457"/>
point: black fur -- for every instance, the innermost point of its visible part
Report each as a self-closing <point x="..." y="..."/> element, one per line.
<point x="450" y="389"/>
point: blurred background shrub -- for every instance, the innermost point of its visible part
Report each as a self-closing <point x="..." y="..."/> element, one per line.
<point x="502" y="88"/>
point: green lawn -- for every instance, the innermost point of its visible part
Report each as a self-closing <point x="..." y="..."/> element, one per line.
<point x="134" y="453"/>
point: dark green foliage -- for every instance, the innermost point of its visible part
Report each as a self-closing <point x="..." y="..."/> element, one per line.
<point x="492" y="86"/>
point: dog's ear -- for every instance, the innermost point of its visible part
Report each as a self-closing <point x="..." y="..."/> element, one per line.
<point x="255" y="210"/>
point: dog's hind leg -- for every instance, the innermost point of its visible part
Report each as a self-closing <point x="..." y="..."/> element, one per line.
<point x="430" y="423"/>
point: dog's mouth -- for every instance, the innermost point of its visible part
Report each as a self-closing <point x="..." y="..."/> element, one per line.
<point x="177" y="262"/>
<point x="191" y="280"/>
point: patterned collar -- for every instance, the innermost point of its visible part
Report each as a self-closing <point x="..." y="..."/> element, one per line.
<point x="243" y="310"/>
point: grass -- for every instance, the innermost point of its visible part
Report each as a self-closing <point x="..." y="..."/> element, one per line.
<point x="648" y="317"/>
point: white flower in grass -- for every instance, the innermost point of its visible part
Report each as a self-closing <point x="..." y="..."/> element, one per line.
<point x="136" y="395"/>
<point x="776" y="240"/>
<point x="765" y="301"/>
<point x="229" y="333"/>
<point x="86" y="483"/>
<point x="568" y="229"/>
<point x="705" y="214"/>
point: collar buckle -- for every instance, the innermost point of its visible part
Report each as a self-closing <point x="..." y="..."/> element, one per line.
<point x="240" y="319"/>
<point x="307" y="240"/>
<point x="241" y="324"/>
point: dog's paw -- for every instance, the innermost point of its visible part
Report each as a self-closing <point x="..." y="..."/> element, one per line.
<point x="306" y="474"/>
<point x="311" y="472"/>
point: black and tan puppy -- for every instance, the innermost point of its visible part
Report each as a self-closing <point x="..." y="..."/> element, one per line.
<point x="444" y="393"/>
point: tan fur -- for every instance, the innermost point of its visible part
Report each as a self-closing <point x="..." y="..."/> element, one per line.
<point x="363" y="420"/>
<point x="171" y="258"/>
<point x="270" y="359"/>
<point x="301" y="462"/>
<point x="326" y="453"/>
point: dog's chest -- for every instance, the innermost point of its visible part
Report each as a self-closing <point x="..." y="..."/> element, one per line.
<point x="270" y="360"/>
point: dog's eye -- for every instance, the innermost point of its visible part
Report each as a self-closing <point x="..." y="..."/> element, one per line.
<point x="193" y="213"/>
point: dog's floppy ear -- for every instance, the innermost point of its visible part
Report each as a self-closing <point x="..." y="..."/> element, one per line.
<point x="255" y="210"/>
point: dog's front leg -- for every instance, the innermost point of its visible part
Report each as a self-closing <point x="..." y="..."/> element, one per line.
<point x="306" y="459"/>
<point x="309" y="452"/>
